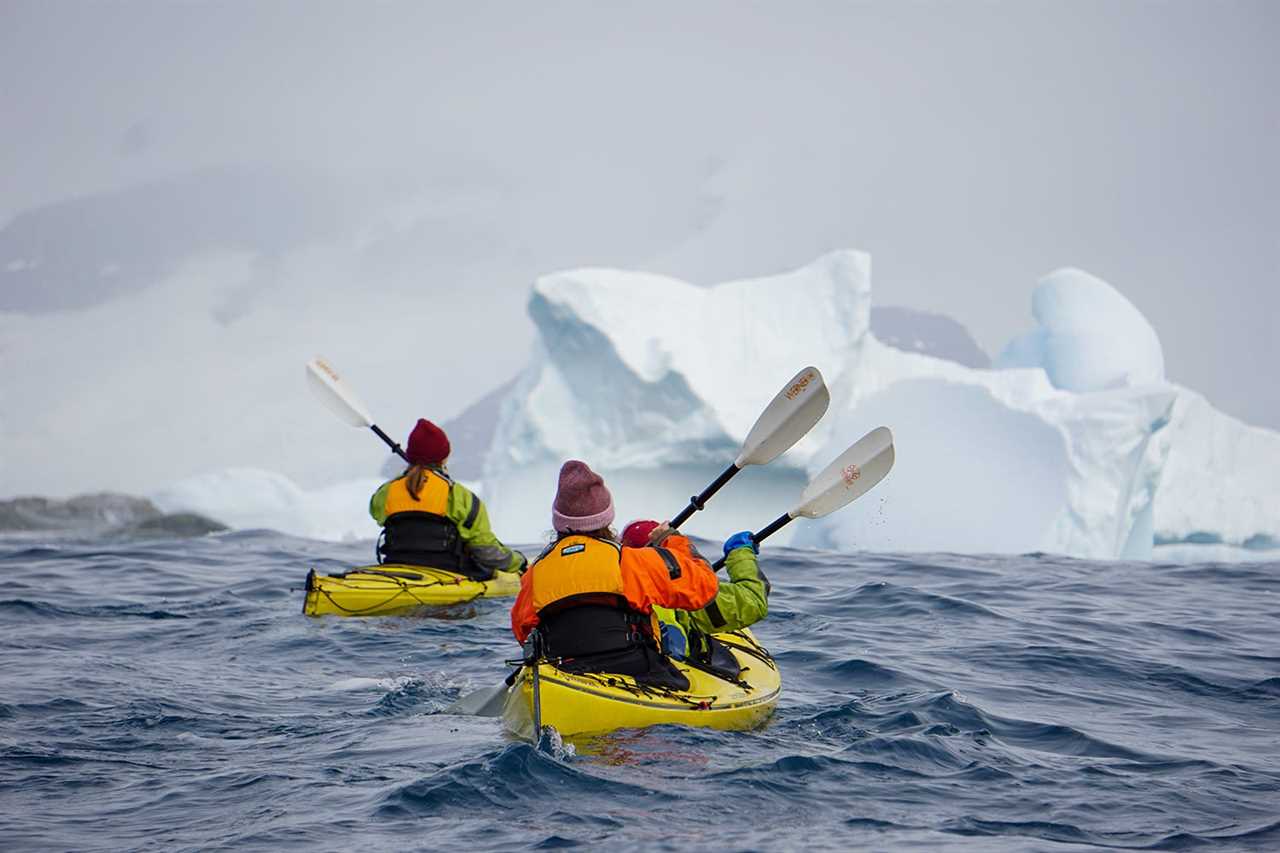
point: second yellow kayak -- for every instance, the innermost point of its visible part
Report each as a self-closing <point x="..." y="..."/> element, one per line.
<point x="393" y="590"/>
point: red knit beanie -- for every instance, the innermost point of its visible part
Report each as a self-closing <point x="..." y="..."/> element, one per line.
<point x="582" y="503"/>
<point x="428" y="445"/>
<point x="637" y="533"/>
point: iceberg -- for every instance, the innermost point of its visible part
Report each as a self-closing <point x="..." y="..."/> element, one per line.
<point x="655" y="383"/>
<point x="1061" y="446"/>
<point x="1072" y="441"/>
<point x="1088" y="336"/>
<point x="1219" y="478"/>
<point x="1000" y="461"/>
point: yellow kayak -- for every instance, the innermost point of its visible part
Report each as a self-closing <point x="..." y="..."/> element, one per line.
<point x="392" y="590"/>
<point x="589" y="703"/>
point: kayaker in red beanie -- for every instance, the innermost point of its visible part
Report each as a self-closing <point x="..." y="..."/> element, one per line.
<point x="593" y="600"/>
<point x="429" y="520"/>
<point x="738" y="604"/>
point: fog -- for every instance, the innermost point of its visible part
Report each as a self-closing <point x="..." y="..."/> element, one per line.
<point x="195" y="198"/>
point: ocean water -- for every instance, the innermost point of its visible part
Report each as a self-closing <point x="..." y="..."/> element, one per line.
<point x="170" y="695"/>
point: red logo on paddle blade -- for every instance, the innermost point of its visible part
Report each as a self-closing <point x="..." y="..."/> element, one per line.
<point x="850" y="473"/>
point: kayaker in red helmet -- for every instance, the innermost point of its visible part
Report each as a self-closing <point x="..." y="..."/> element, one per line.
<point x="429" y="520"/>
<point x="593" y="600"/>
<point x="738" y="604"/>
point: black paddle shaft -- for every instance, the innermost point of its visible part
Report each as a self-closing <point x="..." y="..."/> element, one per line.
<point x="537" y="688"/>
<point x="759" y="536"/>
<point x="377" y="430"/>
<point x="697" y="502"/>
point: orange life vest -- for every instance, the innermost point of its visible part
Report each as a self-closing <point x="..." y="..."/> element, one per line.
<point x="630" y="579"/>
<point x="576" y="565"/>
<point x="433" y="497"/>
<point x="419" y="532"/>
<point x="578" y="591"/>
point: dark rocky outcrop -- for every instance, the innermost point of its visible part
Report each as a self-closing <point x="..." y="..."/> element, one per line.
<point x="105" y="512"/>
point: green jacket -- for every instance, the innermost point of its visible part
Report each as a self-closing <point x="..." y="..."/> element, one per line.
<point x="741" y="602"/>
<point x="468" y="512"/>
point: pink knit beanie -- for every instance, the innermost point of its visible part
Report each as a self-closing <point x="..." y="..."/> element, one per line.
<point x="582" y="503"/>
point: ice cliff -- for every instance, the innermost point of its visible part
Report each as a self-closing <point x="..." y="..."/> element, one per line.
<point x="1073" y="442"/>
<point x="1221" y="484"/>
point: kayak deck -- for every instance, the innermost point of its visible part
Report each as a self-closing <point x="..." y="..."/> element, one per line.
<point x="394" y="590"/>
<point x="590" y="703"/>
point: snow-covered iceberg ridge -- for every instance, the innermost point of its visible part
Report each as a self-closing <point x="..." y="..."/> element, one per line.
<point x="1062" y="447"/>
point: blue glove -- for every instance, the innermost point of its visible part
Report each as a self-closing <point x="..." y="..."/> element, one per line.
<point x="673" y="641"/>
<point x="741" y="540"/>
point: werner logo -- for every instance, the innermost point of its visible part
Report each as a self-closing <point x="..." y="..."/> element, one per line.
<point x="323" y="365"/>
<point x="850" y="473"/>
<point x="799" y="385"/>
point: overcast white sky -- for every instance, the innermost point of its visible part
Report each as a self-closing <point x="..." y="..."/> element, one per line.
<point x="970" y="147"/>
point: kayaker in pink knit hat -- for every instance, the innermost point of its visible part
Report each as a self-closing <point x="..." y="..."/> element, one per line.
<point x="591" y="600"/>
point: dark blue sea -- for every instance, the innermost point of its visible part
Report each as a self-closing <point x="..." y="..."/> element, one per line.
<point x="170" y="695"/>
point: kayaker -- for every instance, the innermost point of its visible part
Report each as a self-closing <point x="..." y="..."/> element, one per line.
<point x="592" y="600"/>
<point x="429" y="520"/>
<point x="738" y="604"/>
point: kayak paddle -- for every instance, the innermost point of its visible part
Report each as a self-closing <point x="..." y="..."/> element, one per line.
<point x="787" y="419"/>
<point x="340" y="400"/>
<point x="854" y="473"/>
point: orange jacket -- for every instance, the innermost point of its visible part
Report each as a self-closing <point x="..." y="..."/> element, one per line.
<point x="674" y="575"/>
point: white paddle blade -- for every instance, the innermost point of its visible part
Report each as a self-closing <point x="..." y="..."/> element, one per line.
<point x="790" y="415"/>
<point x="335" y="394"/>
<point x="486" y="702"/>
<point x="850" y="477"/>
